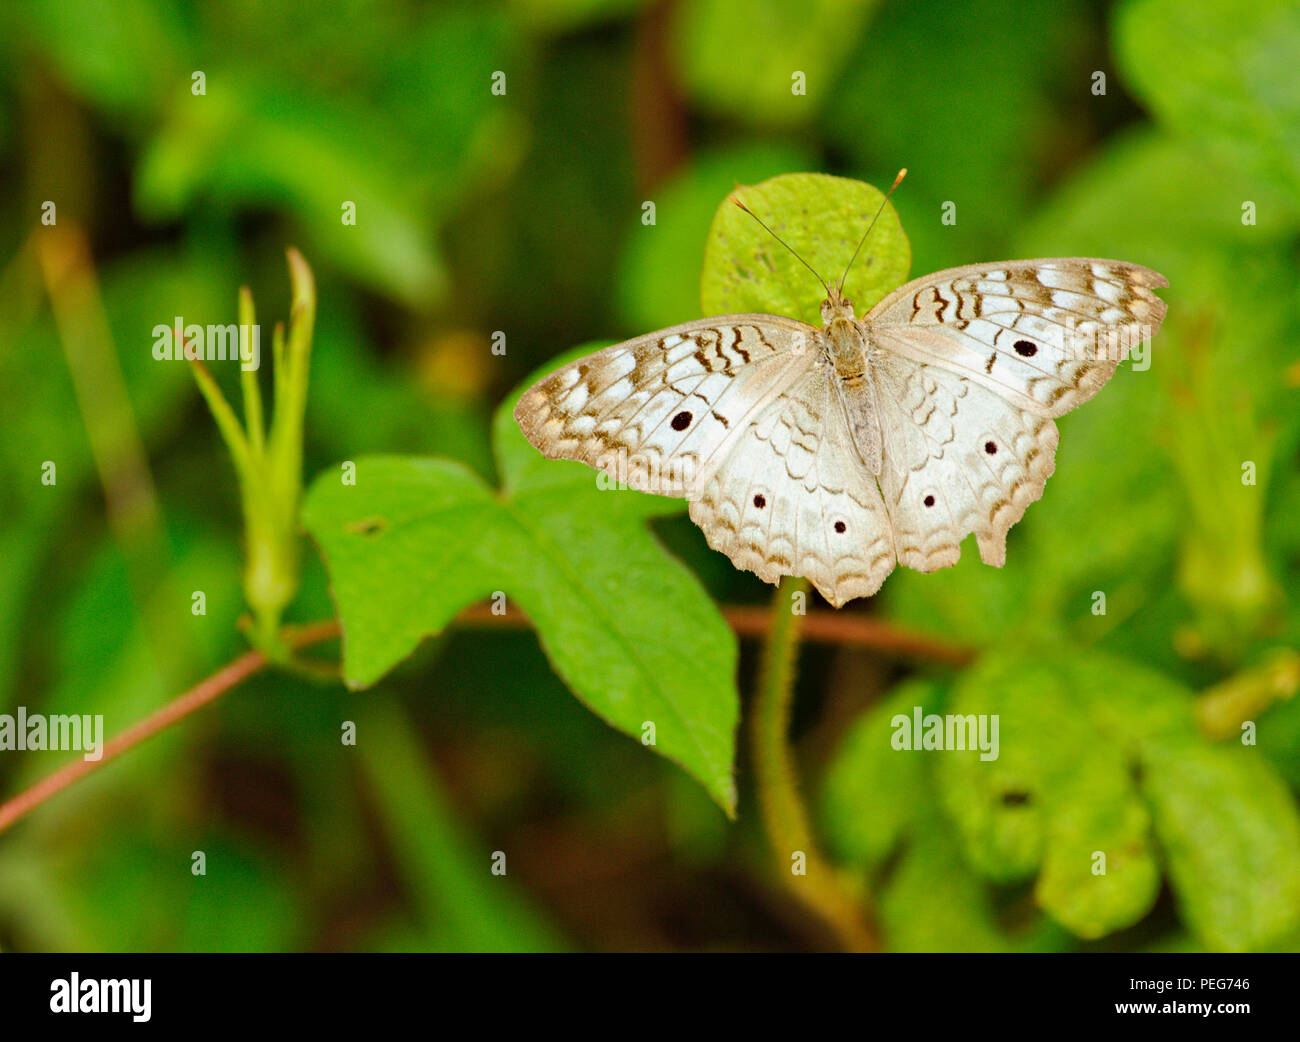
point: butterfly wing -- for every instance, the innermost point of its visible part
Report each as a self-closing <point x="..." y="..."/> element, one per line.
<point x="792" y="498"/>
<point x="975" y="363"/>
<point x="958" y="458"/>
<point x="1045" y="335"/>
<point x="662" y="411"/>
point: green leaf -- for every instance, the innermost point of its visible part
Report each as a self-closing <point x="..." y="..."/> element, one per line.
<point x="742" y="57"/>
<point x="262" y="142"/>
<point x="1102" y="756"/>
<point x="414" y="133"/>
<point x="1158" y="198"/>
<point x="1231" y="836"/>
<point x="407" y="547"/>
<point x="1223" y="72"/>
<point x="97" y="49"/>
<point x="821" y="217"/>
<point x="628" y="627"/>
<point x="1061" y="790"/>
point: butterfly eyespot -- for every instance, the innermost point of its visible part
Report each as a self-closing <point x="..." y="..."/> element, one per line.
<point x="990" y="447"/>
<point x="1015" y="798"/>
<point x="681" y="421"/>
<point x="1025" y="349"/>
<point x="839" y="526"/>
<point x="928" y="501"/>
<point x="760" y="502"/>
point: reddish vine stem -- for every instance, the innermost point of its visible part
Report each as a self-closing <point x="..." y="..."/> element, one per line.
<point x="201" y="694"/>
<point x="823" y="627"/>
<point x="818" y="627"/>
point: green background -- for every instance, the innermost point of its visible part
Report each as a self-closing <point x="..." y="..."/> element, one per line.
<point x="523" y="213"/>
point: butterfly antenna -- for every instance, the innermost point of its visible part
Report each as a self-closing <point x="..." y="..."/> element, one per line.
<point x="783" y="243"/>
<point x="897" y="181"/>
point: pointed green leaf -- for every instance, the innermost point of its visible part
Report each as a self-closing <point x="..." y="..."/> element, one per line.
<point x="407" y="547"/>
<point x="628" y="627"/>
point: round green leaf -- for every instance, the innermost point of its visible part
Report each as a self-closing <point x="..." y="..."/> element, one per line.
<point x="822" y="218"/>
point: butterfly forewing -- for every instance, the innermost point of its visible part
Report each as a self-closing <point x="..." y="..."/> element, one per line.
<point x="1044" y="334"/>
<point x="658" y="412"/>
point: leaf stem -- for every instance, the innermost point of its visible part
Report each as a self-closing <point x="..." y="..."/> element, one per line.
<point x="781" y="806"/>
<point x="248" y="375"/>
<point x="1221" y="710"/>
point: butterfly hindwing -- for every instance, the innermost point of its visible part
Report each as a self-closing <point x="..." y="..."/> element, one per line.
<point x="793" y="498"/>
<point x="958" y="459"/>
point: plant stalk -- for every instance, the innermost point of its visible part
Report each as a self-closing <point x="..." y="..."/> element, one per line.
<point x="798" y="861"/>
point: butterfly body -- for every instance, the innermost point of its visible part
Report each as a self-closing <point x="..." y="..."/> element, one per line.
<point x="838" y="453"/>
<point x="846" y="348"/>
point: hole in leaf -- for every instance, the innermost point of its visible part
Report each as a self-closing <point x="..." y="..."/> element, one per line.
<point x="368" y="526"/>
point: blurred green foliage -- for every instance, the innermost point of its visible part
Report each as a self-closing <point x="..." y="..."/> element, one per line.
<point x="522" y="213"/>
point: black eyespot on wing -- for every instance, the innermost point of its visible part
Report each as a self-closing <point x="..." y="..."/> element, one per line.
<point x="1015" y="798"/>
<point x="839" y="526"/>
<point x="1025" y="349"/>
<point x="990" y="447"/>
<point x="928" y="501"/>
<point x="681" y="421"/>
<point x="760" y="501"/>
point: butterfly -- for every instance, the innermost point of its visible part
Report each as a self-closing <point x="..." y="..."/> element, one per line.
<point x="837" y="453"/>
